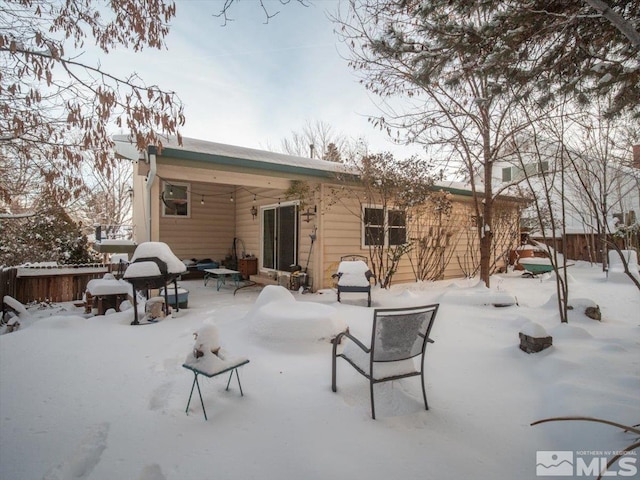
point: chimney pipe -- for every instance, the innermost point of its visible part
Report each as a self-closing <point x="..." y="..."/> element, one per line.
<point x="312" y="150"/>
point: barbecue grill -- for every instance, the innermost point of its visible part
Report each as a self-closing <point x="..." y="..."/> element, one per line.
<point x="153" y="266"/>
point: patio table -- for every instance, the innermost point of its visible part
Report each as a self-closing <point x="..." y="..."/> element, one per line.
<point x="221" y="274"/>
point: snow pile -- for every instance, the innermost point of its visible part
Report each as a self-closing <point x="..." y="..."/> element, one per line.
<point x="477" y="295"/>
<point x="278" y="316"/>
<point x="616" y="268"/>
<point x="533" y="329"/>
<point x="16" y="306"/>
<point x="535" y="261"/>
<point x="208" y="356"/>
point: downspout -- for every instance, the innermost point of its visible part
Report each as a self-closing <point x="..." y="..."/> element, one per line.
<point x="151" y="176"/>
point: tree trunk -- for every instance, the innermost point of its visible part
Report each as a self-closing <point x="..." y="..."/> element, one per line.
<point x="486" y="229"/>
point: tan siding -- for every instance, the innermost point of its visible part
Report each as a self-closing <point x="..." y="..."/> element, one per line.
<point x="210" y="230"/>
<point x="342" y="236"/>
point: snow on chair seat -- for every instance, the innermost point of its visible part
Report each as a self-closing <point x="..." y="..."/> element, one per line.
<point x="354" y="275"/>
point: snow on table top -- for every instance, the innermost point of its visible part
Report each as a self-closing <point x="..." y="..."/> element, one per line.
<point x="211" y="364"/>
<point x="535" y="261"/>
<point x="102" y="286"/>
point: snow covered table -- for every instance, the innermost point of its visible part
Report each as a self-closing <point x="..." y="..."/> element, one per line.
<point x="105" y="293"/>
<point x="211" y="366"/>
<point x="221" y="274"/>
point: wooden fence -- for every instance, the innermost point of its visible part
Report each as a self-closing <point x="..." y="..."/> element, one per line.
<point x="55" y="284"/>
<point x="585" y="247"/>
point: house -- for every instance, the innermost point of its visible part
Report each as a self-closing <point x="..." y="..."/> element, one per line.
<point x="608" y="196"/>
<point x="271" y="211"/>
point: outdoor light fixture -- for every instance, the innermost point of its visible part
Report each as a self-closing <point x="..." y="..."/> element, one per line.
<point x="254" y="212"/>
<point x="202" y="200"/>
<point x="308" y="214"/>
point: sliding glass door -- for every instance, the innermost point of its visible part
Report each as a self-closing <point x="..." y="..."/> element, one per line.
<point x="279" y="237"/>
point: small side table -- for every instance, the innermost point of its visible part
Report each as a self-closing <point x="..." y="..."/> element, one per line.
<point x="196" y="372"/>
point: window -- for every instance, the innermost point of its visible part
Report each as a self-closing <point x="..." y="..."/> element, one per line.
<point x="280" y="237"/>
<point x="517" y="173"/>
<point x="175" y="199"/>
<point x="380" y="227"/>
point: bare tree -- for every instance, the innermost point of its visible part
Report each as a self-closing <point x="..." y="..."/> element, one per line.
<point x="603" y="189"/>
<point x="269" y="13"/>
<point x="55" y="106"/>
<point x="460" y="105"/>
<point x="532" y="155"/>
<point x="388" y="191"/>
<point x="435" y="230"/>
<point x="107" y="200"/>
<point x="318" y="140"/>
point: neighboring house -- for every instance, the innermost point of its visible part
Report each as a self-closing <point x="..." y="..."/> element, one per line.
<point x="209" y="200"/>
<point x="615" y="188"/>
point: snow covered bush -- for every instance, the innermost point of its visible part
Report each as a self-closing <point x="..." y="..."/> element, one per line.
<point x="48" y="236"/>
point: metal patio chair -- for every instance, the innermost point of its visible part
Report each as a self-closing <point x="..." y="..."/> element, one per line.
<point x="353" y="275"/>
<point x="398" y="335"/>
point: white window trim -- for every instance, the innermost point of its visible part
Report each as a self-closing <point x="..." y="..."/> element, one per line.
<point x="385" y="226"/>
<point x="163" y="207"/>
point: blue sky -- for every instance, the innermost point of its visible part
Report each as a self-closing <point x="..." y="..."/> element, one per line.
<point x="249" y="83"/>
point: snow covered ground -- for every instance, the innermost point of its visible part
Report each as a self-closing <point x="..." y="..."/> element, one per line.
<point x="96" y="398"/>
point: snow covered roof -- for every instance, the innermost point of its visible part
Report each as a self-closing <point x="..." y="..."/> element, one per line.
<point x="219" y="153"/>
<point x="232" y="155"/>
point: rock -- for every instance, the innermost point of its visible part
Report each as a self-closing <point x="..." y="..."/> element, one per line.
<point x="594" y="312"/>
<point x="531" y="344"/>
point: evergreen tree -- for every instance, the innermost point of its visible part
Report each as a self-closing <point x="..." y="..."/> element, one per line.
<point x="584" y="48"/>
<point x="48" y="236"/>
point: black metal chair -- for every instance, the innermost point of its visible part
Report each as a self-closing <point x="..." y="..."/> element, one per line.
<point x="398" y="335"/>
<point x="342" y="276"/>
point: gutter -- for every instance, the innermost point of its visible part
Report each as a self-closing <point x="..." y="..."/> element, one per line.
<point x="151" y="176"/>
